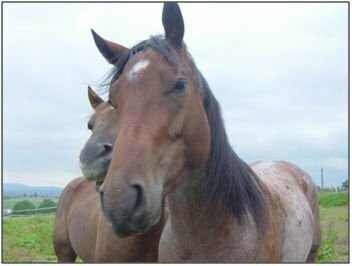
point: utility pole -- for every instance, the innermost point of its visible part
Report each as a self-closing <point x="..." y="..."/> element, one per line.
<point x="322" y="178"/>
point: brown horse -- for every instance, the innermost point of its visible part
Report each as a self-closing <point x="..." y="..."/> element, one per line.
<point x="172" y="140"/>
<point x="80" y="227"/>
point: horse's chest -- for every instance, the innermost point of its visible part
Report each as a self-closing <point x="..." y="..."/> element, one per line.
<point x="229" y="245"/>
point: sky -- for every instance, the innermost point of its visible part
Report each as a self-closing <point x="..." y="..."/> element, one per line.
<point x="279" y="71"/>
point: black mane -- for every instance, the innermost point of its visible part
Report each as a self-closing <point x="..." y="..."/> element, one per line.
<point x="231" y="184"/>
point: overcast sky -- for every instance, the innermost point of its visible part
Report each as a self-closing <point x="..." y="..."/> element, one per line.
<point x="279" y="71"/>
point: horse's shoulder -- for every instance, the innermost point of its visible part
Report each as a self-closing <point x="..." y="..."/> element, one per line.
<point x="284" y="169"/>
<point x="284" y="180"/>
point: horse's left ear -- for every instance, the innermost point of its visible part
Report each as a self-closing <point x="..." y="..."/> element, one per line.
<point x="94" y="99"/>
<point x="109" y="50"/>
<point x="173" y="23"/>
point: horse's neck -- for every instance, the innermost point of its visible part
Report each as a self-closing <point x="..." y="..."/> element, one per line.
<point x="196" y="234"/>
<point x="194" y="226"/>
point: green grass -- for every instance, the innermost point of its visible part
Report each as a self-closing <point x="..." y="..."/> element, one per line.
<point x="28" y="239"/>
<point x="332" y="199"/>
<point x="9" y="203"/>
<point x="334" y="227"/>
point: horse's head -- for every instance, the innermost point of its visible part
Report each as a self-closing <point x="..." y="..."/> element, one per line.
<point x="95" y="156"/>
<point x="163" y="132"/>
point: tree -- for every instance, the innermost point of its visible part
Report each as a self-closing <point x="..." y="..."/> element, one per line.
<point x="35" y="194"/>
<point x="345" y="185"/>
<point x="47" y="203"/>
<point x="23" y="205"/>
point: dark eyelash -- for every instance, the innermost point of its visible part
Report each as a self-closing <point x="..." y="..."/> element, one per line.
<point x="110" y="103"/>
<point x="90" y="126"/>
<point x="180" y="85"/>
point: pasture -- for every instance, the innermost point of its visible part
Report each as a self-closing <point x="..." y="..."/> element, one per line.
<point x="29" y="239"/>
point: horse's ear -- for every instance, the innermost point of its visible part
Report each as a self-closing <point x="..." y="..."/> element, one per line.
<point x="173" y="23"/>
<point x="109" y="50"/>
<point x="94" y="99"/>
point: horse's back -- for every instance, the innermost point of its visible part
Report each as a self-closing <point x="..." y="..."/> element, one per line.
<point x="76" y="221"/>
<point x="296" y="206"/>
<point x="62" y="245"/>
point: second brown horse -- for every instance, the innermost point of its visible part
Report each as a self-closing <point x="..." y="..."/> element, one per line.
<point x="80" y="227"/>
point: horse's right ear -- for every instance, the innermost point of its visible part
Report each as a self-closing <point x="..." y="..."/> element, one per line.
<point x="110" y="50"/>
<point x="173" y="23"/>
<point x="94" y="99"/>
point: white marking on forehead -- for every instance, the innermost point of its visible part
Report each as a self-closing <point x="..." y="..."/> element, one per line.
<point x="138" y="67"/>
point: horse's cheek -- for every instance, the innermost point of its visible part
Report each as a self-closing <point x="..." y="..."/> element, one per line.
<point x="197" y="139"/>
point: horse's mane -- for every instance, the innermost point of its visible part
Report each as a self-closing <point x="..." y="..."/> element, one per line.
<point x="231" y="184"/>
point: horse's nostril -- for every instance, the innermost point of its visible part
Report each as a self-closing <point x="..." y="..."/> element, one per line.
<point x="107" y="147"/>
<point x="140" y="200"/>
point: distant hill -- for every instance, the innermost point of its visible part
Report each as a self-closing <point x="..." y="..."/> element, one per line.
<point x="16" y="190"/>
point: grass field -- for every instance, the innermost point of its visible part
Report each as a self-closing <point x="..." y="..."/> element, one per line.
<point x="334" y="225"/>
<point x="29" y="239"/>
<point x="332" y="199"/>
<point x="9" y="203"/>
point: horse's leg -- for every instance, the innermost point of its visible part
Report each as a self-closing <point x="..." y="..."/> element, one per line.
<point x="65" y="253"/>
<point x="317" y="238"/>
<point x="62" y="246"/>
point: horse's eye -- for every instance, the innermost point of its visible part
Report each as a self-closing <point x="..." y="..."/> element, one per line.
<point x="90" y="126"/>
<point x="180" y="86"/>
<point x="110" y="103"/>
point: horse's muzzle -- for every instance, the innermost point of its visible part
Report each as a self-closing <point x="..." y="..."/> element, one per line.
<point x="95" y="159"/>
<point x="129" y="218"/>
